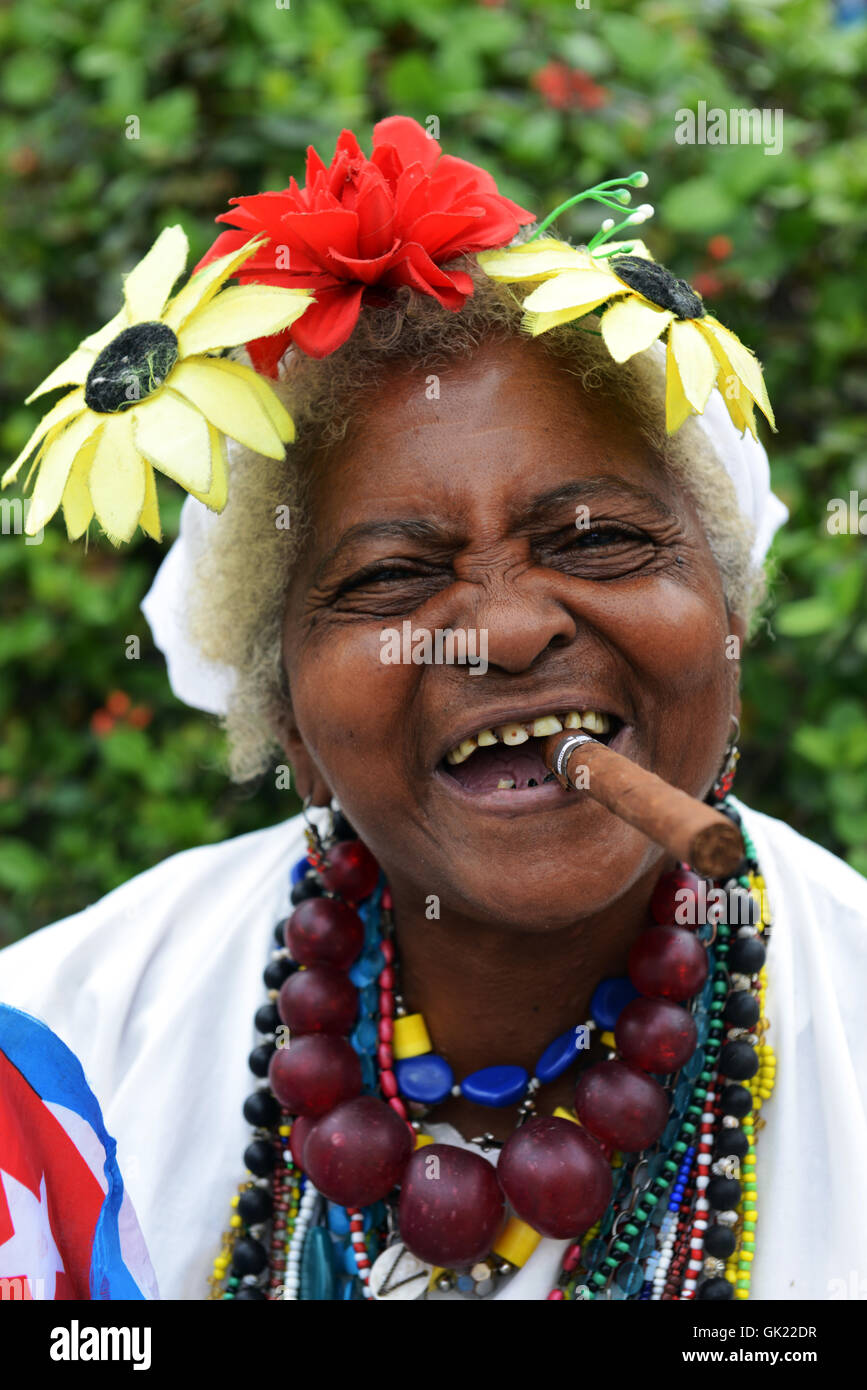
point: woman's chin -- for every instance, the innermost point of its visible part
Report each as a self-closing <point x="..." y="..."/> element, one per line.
<point x="535" y="884"/>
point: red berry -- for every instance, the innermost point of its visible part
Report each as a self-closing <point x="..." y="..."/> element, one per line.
<point x="314" y="1073"/>
<point x="117" y="702"/>
<point x="101" y="723"/>
<point x="322" y="931"/>
<point x="555" y="1176"/>
<point x="719" y="248"/>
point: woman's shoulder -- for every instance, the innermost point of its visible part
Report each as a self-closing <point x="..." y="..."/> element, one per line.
<point x="803" y="867"/>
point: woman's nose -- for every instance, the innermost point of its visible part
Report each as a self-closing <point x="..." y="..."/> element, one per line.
<point x="521" y="616"/>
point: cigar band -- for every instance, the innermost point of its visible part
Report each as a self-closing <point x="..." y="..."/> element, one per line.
<point x="565" y="751"/>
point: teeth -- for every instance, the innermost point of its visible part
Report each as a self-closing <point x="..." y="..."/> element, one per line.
<point x="505" y="783"/>
<point x="550" y="724"/>
<point x="595" y="722"/>
<point x="462" y="752"/>
<point x="512" y="733"/>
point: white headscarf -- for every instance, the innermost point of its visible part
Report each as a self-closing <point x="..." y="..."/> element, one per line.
<point x="207" y="685"/>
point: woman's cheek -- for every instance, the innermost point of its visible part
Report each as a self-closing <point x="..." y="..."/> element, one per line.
<point x="343" y="690"/>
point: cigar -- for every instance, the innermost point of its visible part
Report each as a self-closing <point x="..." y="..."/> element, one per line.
<point x="694" y="833"/>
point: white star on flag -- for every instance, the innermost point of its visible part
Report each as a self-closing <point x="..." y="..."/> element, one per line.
<point x="30" y="1250"/>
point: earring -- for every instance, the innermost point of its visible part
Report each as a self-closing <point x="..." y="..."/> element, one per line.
<point x="315" y="847"/>
<point x="726" y="776"/>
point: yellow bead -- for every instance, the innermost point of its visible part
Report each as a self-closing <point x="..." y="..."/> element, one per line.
<point x="742" y="1293"/>
<point x="234" y="1201"/>
<point x="411" y="1037"/>
<point x="285" y="1130"/>
<point x="517" y="1242"/>
<point x="422" y="1139"/>
<point x="235" y="1221"/>
<point x="564" y="1114"/>
<point x="607" y="1039"/>
<point x="747" y="1255"/>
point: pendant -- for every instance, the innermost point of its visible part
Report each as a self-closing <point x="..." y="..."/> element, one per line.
<point x="397" y="1274"/>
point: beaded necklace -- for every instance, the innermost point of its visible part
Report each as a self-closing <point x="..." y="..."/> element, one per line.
<point x="681" y="1216"/>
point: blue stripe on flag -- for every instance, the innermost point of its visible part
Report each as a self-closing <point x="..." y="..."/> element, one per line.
<point x="57" y="1076"/>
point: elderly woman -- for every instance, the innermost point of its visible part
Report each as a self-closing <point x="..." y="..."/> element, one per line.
<point x="503" y="1047"/>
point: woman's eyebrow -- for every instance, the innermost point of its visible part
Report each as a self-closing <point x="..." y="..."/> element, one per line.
<point x="588" y="490"/>
<point x="418" y="529"/>
<point x="408" y="528"/>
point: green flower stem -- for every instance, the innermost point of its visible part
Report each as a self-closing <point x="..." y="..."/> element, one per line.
<point x="597" y="193"/>
<point x="601" y="236"/>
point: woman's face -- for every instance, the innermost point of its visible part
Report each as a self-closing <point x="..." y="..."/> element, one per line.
<point x="502" y="500"/>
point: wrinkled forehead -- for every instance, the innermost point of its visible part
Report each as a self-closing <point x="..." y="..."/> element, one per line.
<point x="499" y="430"/>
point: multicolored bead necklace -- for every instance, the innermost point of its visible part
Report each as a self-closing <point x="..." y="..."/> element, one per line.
<point x="651" y="1178"/>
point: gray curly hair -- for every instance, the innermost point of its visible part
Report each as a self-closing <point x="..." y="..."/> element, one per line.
<point x="237" y="601"/>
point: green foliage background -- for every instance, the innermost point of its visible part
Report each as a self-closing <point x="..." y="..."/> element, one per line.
<point x="228" y="94"/>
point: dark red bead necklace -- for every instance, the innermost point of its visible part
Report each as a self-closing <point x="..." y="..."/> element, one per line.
<point x="354" y="1147"/>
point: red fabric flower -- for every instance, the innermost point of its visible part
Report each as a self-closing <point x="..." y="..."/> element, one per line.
<point x="389" y="220"/>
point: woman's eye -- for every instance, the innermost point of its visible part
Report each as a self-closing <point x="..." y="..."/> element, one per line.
<point x="598" y="536"/>
<point x="383" y="575"/>
<point x="608" y="535"/>
<point x="604" y="552"/>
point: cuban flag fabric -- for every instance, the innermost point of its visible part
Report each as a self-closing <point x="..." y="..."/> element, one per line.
<point x="67" y="1227"/>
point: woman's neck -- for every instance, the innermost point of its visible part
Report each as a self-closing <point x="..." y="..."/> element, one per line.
<point x="491" y="996"/>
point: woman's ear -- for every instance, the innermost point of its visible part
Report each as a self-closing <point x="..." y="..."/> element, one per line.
<point x="309" y="781"/>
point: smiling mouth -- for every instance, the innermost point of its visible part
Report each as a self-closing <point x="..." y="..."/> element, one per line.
<point x="507" y="758"/>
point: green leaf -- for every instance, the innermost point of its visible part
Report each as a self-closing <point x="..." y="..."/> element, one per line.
<point x="805" y="617"/>
<point x="21" y="867"/>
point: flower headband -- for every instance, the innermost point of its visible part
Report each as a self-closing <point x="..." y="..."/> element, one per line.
<point x="153" y="390"/>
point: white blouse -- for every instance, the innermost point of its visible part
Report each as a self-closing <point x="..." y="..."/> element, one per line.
<point x="155" y="986"/>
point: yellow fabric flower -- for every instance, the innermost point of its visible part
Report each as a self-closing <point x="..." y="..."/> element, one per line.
<point x="149" y="394"/>
<point x="645" y="301"/>
<point x="583" y="281"/>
